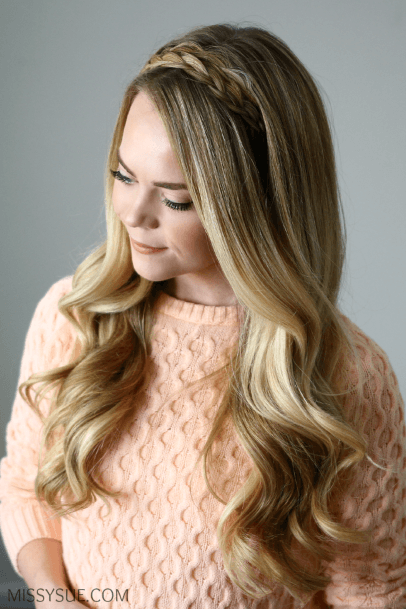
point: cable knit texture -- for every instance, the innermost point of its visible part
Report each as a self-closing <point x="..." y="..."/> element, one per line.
<point x="159" y="541"/>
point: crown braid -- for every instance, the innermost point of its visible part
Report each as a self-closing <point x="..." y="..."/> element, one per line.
<point x="230" y="85"/>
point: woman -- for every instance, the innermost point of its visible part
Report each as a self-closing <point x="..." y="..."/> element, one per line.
<point x="207" y="327"/>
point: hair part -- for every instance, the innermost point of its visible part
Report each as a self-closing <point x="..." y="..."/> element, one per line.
<point x="249" y="130"/>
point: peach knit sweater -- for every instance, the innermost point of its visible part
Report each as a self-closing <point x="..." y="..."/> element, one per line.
<point x="159" y="541"/>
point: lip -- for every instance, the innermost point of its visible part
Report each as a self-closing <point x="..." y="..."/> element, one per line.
<point x="145" y="249"/>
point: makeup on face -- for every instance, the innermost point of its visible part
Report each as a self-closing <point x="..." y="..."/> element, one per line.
<point x="143" y="249"/>
<point x="166" y="245"/>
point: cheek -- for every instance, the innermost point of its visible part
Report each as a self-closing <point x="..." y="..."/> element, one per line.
<point x="115" y="198"/>
<point x="120" y="199"/>
<point x="195" y="240"/>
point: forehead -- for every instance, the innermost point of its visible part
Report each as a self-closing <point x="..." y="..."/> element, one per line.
<point x="143" y="119"/>
<point x="145" y="144"/>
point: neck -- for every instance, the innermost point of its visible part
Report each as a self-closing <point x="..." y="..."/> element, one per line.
<point x="215" y="292"/>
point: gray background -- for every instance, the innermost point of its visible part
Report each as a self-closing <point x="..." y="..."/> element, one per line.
<point x="64" y="66"/>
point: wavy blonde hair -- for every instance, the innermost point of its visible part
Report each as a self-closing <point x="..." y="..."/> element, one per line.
<point x="249" y="129"/>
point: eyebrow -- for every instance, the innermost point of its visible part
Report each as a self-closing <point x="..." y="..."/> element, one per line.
<point x="166" y="185"/>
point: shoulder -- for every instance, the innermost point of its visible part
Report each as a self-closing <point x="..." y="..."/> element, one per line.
<point x="374" y="360"/>
<point x="379" y="404"/>
<point x="49" y="302"/>
<point x="51" y="334"/>
<point x="47" y="313"/>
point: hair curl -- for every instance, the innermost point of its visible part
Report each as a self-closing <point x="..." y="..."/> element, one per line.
<point x="249" y="130"/>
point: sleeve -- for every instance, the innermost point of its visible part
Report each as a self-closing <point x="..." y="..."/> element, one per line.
<point x="47" y="345"/>
<point x="374" y="574"/>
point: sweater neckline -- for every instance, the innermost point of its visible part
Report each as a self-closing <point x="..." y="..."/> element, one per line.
<point x="212" y="315"/>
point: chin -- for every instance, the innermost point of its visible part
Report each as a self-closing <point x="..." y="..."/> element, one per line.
<point x="152" y="274"/>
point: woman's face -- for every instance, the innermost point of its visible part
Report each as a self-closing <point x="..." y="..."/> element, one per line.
<point x="152" y="200"/>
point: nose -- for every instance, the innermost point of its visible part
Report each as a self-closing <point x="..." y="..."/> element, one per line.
<point x="138" y="209"/>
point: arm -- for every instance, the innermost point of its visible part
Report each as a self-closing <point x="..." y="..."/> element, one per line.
<point x="374" y="575"/>
<point x="47" y="345"/>
<point x="41" y="565"/>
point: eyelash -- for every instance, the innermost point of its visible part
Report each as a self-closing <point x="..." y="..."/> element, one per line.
<point x="176" y="206"/>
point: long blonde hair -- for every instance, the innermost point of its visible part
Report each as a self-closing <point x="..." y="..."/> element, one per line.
<point x="249" y="129"/>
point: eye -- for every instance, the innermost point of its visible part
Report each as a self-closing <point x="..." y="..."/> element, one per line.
<point x="119" y="176"/>
<point x="172" y="204"/>
<point x="177" y="206"/>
